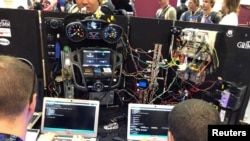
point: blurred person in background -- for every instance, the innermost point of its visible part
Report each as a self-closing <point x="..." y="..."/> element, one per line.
<point x="124" y="4"/>
<point x="68" y="5"/>
<point x="181" y="8"/>
<point x="16" y="4"/>
<point x="166" y="11"/>
<point x="230" y="10"/>
<point x="194" y="13"/>
<point x="103" y="7"/>
<point x="210" y="16"/>
<point x="49" y="5"/>
<point x="61" y="5"/>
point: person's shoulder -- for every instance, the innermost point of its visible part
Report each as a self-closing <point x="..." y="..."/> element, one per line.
<point x="73" y="6"/>
<point x="233" y="14"/>
<point x="230" y="19"/>
<point x="171" y="8"/>
<point x="200" y="10"/>
<point x="158" y="10"/>
<point x="214" y="13"/>
<point x="186" y="13"/>
<point x="73" y="9"/>
<point x="9" y="137"/>
<point x="181" y="8"/>
<point x="184" y="7"/>
<point x="215" y="16"/>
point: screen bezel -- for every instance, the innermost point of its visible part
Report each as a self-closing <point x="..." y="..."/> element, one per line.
<point x="69" y="132"/>
<point x="164" y="108"/>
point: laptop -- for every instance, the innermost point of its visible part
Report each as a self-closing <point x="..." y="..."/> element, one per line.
<point x="36" y="116"/>
<point x="68" y="117"/>
<point x="32" y="134"/>
<point x="148" y="122"/>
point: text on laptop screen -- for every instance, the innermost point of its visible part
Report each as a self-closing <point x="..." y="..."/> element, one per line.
<point x="148" y="122"/>
<point x="76" y="117"/>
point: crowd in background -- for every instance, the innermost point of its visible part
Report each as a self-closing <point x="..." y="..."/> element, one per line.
<point x="187" y="10"/>
<point x="120" y="7"/>
<point x="193" y="11"/>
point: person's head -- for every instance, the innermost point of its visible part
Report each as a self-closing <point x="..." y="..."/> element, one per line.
<point x="193" y="5"/>
<point x="163" y="2"/>
<point x="229" y="6"/>
<point x="208" y="4"/>
<point x="183" y="1"/>
<point x="91" y="5"/>
<point x="17" y="91"/>
<point x="192" y="116"/>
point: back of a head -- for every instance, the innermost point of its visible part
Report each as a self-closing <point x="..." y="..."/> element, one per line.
<point x="232" y="5"/>
<point x="183" y="1"/>
<point x="192" y="116"/>
<point x="17" y="82"/>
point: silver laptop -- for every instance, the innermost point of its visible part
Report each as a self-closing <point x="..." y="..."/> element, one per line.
<point x="36" y="116"/>
<point x="32" y="134"/>
<point x="148" y="122"/>
<point x="68" y="117"/>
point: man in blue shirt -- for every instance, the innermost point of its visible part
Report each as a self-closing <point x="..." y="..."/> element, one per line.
<point x="194" y="14"/>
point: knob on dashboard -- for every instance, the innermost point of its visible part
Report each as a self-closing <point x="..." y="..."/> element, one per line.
<point x="98" y="86"/>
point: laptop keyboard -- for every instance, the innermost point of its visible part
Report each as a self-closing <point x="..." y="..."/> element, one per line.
<point x="70" y="139"/>
<point x="59" y="139"/>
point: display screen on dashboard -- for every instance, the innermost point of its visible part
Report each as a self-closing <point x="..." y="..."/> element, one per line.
<point x="96" y="58"/>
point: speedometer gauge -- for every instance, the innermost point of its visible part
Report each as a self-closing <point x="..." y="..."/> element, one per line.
<point x="76" y="32"/>
<point x="112" y="33"/>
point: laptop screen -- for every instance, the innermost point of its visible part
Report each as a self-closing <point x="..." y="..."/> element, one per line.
<point x="68" y="117"/>
<point x="148" y="122"/>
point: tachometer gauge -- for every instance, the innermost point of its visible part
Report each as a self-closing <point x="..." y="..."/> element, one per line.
<point x="112" y="33"/>
<point x="76" y="32"/>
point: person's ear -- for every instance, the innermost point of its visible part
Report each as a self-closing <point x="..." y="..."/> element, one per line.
<point x="100" y="2"/>
<point x="212" y="4"/>
<point x="170" y="136"/>
<point x="32" y="105"/>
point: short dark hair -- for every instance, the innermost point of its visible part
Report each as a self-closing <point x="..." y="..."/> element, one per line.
<point x="192" y="116"/>
<point x="197" y="2"/>
<point x="183" y="1"/>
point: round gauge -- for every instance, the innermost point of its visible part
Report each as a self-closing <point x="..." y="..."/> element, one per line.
<point x="76" y="32"/>
<point x="112" y="33"/>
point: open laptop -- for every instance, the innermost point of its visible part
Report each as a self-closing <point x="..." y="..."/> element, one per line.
<point x="148" y="122"/>
<point x="68" y="117"/>
<point x="36" y="116"/>
<point x="32" y="134"/>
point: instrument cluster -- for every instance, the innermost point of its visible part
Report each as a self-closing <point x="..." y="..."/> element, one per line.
<point x="78" y="31"/>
